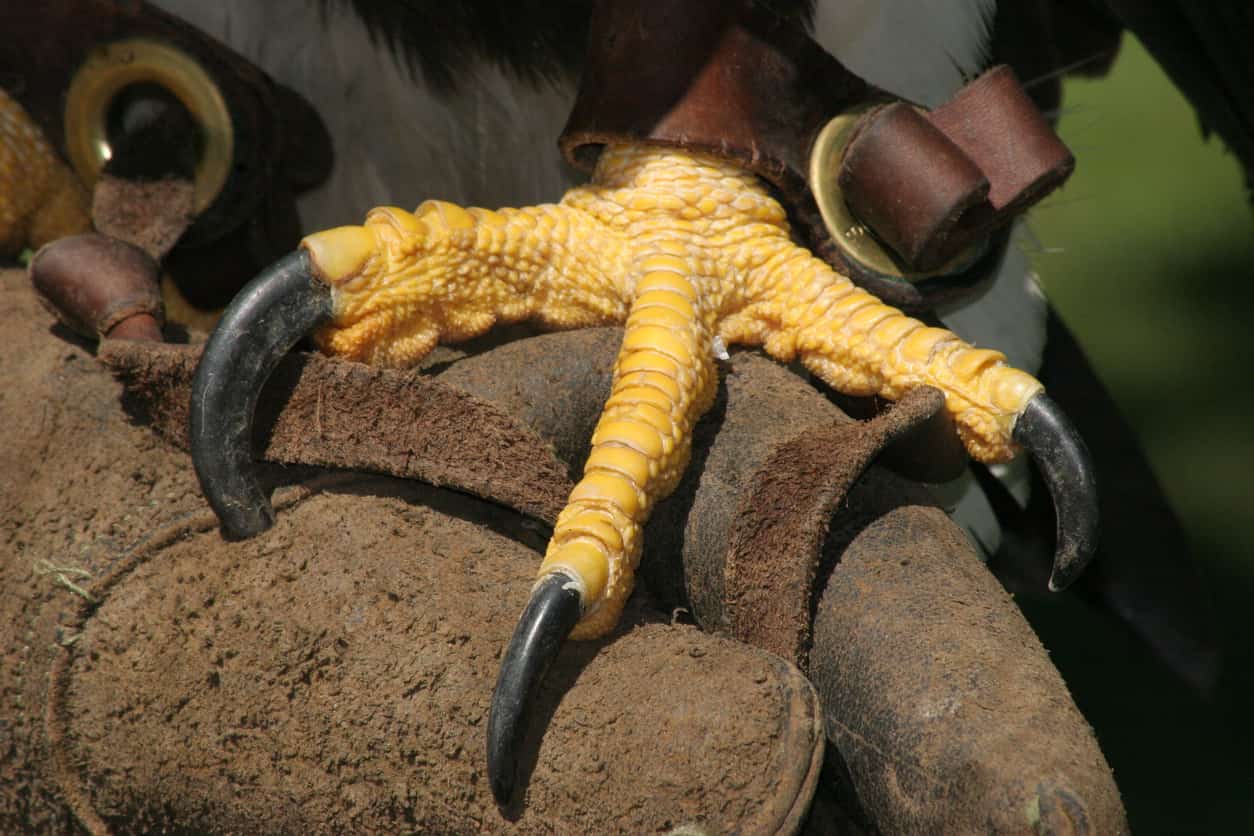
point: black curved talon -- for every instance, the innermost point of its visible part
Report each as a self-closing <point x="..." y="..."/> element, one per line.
<point x="550" y="615"/>
<point x="1067" y="468"/>
<point x="261" y="324"/>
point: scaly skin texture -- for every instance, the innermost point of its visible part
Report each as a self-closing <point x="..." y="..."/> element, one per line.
<point x="40" y="199"/>
<point x="683" y="247"/>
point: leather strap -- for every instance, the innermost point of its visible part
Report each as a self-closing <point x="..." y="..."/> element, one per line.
<point x="740" y="82"/>
<point x="720" y="77"/>
<point x="932" y="184"/>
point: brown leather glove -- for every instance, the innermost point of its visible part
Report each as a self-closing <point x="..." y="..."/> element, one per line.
<point x="350" y="650"/>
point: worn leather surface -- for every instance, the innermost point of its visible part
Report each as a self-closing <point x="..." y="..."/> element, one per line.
<point x="954" y="720"/>
<point x="348" y="650"/>
<point x="931" y="184"/>
<point x="94" y="284"/>
<point x="333" y="675"/>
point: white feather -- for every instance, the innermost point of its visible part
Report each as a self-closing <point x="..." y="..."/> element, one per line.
<point x="921" y="50"/>
<point x="396" y="141"/>
<point x="1009" y="316"/>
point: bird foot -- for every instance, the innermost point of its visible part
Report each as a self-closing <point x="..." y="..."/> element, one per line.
<point x="682" y="249"/>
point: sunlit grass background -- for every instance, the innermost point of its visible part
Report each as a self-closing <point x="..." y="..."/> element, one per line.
<point x="1148" y="253"/>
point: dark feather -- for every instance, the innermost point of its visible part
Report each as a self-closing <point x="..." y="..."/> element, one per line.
<point x="532" y="39"/>
<point x="1205" y="47"/>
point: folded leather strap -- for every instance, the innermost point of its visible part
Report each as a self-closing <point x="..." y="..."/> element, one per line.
<point x="932" y="184"/>
<point x="721" y="77"/>
<point x="738" y="81"/>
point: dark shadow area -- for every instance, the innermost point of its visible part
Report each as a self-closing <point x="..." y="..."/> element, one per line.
<point x="661" y="565"/>
<point x="1181" y="761"/>
<point x="836" y="808"/>
<point x="499" y="335"/>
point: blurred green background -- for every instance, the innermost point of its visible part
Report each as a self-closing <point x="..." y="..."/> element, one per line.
<point x="1148" y="253"/>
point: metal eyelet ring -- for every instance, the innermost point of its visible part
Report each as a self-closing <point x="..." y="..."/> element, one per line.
<point x="112" y="68"/>
<point x="853" y="237"/>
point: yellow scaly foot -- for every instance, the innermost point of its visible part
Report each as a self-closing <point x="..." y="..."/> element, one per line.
<point x="682" y="248"/>
<point x="40" y="198"/>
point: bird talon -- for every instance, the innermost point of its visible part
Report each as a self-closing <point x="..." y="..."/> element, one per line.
<point x="1067" y="468"/>
<point x="551" y="613"/>
<point x="692" y="254"/>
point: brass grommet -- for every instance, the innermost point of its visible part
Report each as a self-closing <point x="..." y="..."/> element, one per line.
<point x="853" y="237"/>
<point x="110" y="69"/>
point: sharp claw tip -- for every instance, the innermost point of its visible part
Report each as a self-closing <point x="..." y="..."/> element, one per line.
<point x="1067" y="468"/>
<point x="1066" y="573"/>
<point x="502" y="786"/>
<point x="554" y="608"/>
